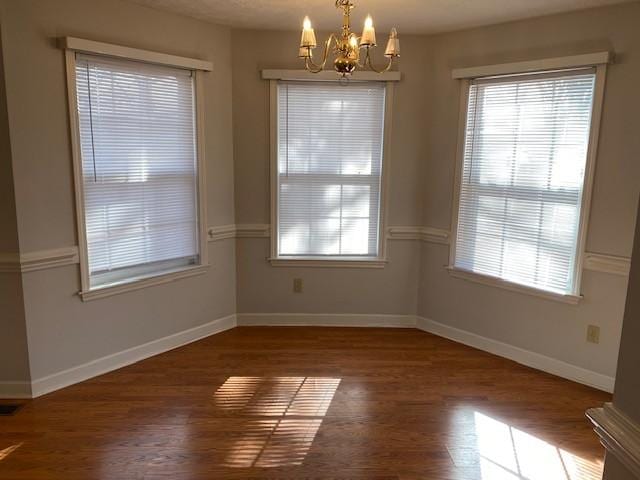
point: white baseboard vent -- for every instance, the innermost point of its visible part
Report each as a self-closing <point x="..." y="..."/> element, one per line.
<point x="619" y="434"/>
<point x="519" y="355"/>
<point x="15" y="390"/>
<point x="121" y="359"/>
<point x="326" y="320"/>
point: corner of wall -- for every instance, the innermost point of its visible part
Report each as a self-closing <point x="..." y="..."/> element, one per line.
<point x="14" y="355"/>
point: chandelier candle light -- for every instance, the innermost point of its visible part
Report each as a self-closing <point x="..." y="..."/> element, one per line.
<point x="347" y="45"/>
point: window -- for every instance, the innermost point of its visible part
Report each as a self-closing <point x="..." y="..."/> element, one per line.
<point x="139" y="169"/>
<point x="329" y="170"/>
<point x="522" y="179"/>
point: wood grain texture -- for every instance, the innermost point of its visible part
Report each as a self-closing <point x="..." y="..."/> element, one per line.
<point x="310" y="403"/>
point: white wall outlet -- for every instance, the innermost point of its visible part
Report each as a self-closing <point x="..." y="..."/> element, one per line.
<point x="297" y="285"/>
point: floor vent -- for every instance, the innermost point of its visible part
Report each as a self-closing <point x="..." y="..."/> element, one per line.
<point x="6" y="410"/>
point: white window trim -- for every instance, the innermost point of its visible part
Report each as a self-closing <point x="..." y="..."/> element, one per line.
<point x="532" y="66"/>
<point x="514" y="287"/>
<point x="331" y="261"/>
<point x="128" y="53"/>
<point x="599" y="62"/>
<point x="198" y="67"/>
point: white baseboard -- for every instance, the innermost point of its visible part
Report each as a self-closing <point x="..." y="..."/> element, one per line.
<point x="121" y="359"/>
<point x="15" y="390"/>
<point x="106" y="364"/>
<point x="326" y="320"/>
<point x="519" y="355"/>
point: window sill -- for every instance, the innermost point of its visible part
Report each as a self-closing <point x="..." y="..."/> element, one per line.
<point x="514" y="287"/>
<point x="330" y="262"/>
<point x="143" y="282"/>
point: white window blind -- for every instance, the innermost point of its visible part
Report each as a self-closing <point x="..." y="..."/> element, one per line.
<point x="137" y="132"/>
<point x="330" y="140"/>
<point x="522" y="178"/>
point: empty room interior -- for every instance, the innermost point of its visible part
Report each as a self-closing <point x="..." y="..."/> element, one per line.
<point x="320" y="239"/>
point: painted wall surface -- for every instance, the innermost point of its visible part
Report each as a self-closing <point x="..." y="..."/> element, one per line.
<point x="14" y="355"/>
<point x="626" y="396"/>
<point x="266" y="289"/>
<point x="543" y="326"/>
<point x="263" y="288"/>
<point x="62" y="330"/>
<point x="627" y="390"/>
<point x="615" y="470"/>
<point x="425" y="129"/>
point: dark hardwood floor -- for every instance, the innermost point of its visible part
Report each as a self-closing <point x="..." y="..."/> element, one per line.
<point x="310" y="403"/>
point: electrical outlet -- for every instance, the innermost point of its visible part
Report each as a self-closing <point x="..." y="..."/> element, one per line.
<point x="297" y="285"/>
<point x="593" y="334"/>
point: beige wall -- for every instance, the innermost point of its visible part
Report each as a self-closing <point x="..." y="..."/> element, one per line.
<point x="425" y="128"/>
<point x="14" y="355"/>
<point x="63" y="331"/>
<point x="543" y="326"/>
<point x="266" y="289"/>
<point x="627" y="390"/>
<point x="615" y="470"/>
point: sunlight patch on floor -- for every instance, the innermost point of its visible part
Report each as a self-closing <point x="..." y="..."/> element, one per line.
<point x="506" y="453"/>
<point x="274" y="443"/>
<point x="4" y="453"/>
<point x="284" y="416"/>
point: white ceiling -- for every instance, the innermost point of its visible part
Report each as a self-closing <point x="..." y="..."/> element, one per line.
<point x="410" y="16"/>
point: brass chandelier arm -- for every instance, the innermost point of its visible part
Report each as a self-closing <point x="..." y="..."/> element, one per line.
<point x="367" y="62"/>
<point x="309" y="63"/>
<point x="347" y="46"/>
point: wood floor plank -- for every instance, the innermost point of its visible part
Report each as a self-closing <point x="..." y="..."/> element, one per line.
<point x="310" y="403"/>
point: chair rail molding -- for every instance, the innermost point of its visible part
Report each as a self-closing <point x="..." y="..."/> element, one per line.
<point x="261" y="230"/>
<point x="59" y="257"/>
<point x="221" y="232"/>
<point x="243" y="230"/>
<point x="607" y="263"/>
<point x="44" y="259"/>
<point x="619" y="435"/>
<point x="38" y="260"/>
<point x="596" y="262"/>
<point x="253" y="230"/>
<point x="425" y="234"/>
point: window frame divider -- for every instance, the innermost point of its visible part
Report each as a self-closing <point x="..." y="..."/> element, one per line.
<point x="589" y="176"/>
<point x="332" y="261"/>
<point x="197" y="70"/>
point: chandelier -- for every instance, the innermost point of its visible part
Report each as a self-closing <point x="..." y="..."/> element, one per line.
<point x="347" y="46"/>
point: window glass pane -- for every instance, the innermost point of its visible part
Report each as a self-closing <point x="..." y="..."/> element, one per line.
<point x="137" y="132"/>
<point x="522" y="178"/>
<point x="329" y="168"/>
